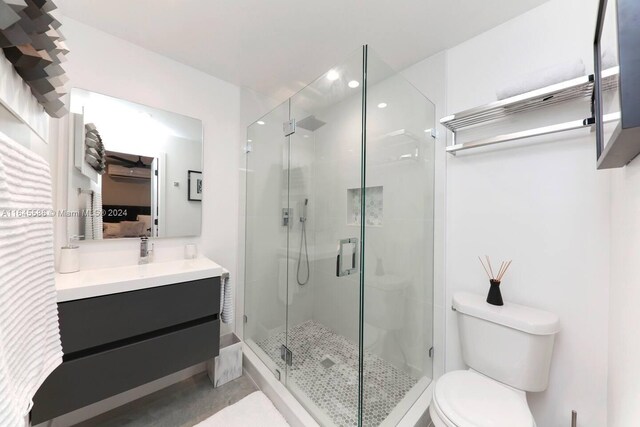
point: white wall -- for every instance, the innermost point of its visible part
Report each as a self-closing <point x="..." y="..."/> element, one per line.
<point x="102" y="63"/>
<point x="624" y="298"/>
<point x="16" y="98"/>
<point x="540" y="202"/>
<point x="105" y="64"/>
<point x="22" y="118"/>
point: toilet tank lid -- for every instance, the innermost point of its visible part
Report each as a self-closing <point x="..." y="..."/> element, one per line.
<point x="520" y="317"/>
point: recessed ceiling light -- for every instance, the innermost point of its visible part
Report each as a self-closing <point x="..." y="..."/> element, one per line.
<point x="260" y="122"/>
<point x="333" y="75"/>
<point x="306" y="136"/>
<point x="249" y="140"/>
<point x="354" y="84"/>
<point x="382" y="105"/>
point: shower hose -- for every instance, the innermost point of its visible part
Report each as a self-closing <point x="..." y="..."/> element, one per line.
<point x="303" y="240"/>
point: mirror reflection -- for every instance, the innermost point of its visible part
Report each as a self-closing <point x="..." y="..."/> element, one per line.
<point x="137" y="170"/>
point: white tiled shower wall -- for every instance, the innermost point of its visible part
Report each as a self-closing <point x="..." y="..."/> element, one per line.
<point x="399" y="250"/>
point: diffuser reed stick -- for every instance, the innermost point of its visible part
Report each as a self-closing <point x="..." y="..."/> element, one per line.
<point x="485" y="268"/>
<point x="489" y="262"/>
<point x="504" y="266"/>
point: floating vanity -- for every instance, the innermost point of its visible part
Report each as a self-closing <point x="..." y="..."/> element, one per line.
<point x="124" y="327"/>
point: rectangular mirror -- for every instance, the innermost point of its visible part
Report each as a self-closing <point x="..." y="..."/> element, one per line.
<point x="136" y="171"/>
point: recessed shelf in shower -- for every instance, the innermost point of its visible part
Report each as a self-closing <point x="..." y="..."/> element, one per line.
<point x="373" y="209"/>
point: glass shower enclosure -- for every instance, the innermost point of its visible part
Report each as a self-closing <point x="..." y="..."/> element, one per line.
<point x="339" y="243"/>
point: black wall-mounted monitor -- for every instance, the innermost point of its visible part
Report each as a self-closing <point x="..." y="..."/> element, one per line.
<point x="616" y="103"/>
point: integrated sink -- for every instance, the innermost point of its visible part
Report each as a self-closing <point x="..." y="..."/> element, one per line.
<point x="105" y="281"/>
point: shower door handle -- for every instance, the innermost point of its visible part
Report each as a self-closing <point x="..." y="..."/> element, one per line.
<point x="347" y="259"/>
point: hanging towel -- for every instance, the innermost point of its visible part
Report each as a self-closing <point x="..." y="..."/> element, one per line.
<point x="30" y="347"/>
<point x="226" y="298"/>
<point x="93" y="217"/>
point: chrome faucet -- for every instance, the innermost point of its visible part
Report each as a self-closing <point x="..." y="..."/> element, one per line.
<point x="146" y="254"/>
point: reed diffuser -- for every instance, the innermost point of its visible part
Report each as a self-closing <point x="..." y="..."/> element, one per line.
<point x="495" y="296"/>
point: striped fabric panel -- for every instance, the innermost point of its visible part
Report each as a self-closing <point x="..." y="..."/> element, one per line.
<point x="30" y="347"/>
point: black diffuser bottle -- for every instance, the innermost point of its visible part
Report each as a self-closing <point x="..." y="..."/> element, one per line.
<point x="495" y="296"/>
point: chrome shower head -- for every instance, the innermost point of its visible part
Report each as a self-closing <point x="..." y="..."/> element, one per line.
<point x="310" y="123"/>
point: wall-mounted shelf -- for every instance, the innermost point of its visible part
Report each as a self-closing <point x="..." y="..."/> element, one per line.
<point x="578" y="88"/>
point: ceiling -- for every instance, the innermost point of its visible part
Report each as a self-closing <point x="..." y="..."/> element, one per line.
<point x="275" y="47"/>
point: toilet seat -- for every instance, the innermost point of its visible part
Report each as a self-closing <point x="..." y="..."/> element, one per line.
<point x="469" y="399"/>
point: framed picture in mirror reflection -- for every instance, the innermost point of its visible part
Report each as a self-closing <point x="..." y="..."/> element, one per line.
<point x="195" y="186"/>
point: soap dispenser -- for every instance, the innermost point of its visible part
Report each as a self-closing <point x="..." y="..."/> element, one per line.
<point x="69" y="257"/>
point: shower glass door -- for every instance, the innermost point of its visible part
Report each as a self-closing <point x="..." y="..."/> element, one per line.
<point x="266" y="237"/>
<point x="339" y="243"/>
<point x="325" y="165"/>
<point x="398" y="250"/>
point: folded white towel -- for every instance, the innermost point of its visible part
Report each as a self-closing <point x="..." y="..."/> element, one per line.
<point x="226" y="298"/>
<point x="542" y="78"/>
<point x="30" y="347"/>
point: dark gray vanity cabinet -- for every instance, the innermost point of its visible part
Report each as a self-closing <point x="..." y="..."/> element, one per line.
<point x="116" y="342"/>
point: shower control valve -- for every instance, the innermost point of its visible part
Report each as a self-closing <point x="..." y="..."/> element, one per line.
<point x="287" y="214"/>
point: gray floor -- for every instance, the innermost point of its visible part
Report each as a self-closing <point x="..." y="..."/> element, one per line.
<point x="181" y="405"/>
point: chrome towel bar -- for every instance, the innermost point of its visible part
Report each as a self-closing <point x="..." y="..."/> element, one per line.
<point x="579" y="88"/>
<point x="546" y="130"/>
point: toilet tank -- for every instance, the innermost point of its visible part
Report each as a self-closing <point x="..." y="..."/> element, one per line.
<point x="510" y="343"/>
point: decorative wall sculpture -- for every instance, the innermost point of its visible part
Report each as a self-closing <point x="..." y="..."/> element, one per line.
<point x="31" y="41"/>
<point x="94" y="152"/>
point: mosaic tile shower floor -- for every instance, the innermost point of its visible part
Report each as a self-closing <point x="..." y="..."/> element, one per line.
<point x="325" y="368"/>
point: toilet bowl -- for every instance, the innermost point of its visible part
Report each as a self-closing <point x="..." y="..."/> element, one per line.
<point x="508" y="350"/>
<point x="470" y="399"/>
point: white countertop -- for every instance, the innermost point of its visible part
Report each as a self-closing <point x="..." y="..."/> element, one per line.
<point x="105" y="281"/>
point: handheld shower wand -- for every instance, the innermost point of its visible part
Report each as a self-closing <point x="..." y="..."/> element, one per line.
<point x="303" y="240"/>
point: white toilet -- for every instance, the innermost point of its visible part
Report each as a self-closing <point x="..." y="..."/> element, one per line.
<point x="508" y="350"/>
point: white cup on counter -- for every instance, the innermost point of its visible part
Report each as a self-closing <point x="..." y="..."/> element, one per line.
<point x="190" y="251"/>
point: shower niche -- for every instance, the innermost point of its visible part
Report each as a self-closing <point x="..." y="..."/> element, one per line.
<point x="373" y="206"/>
<point x="352" y="348"/>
